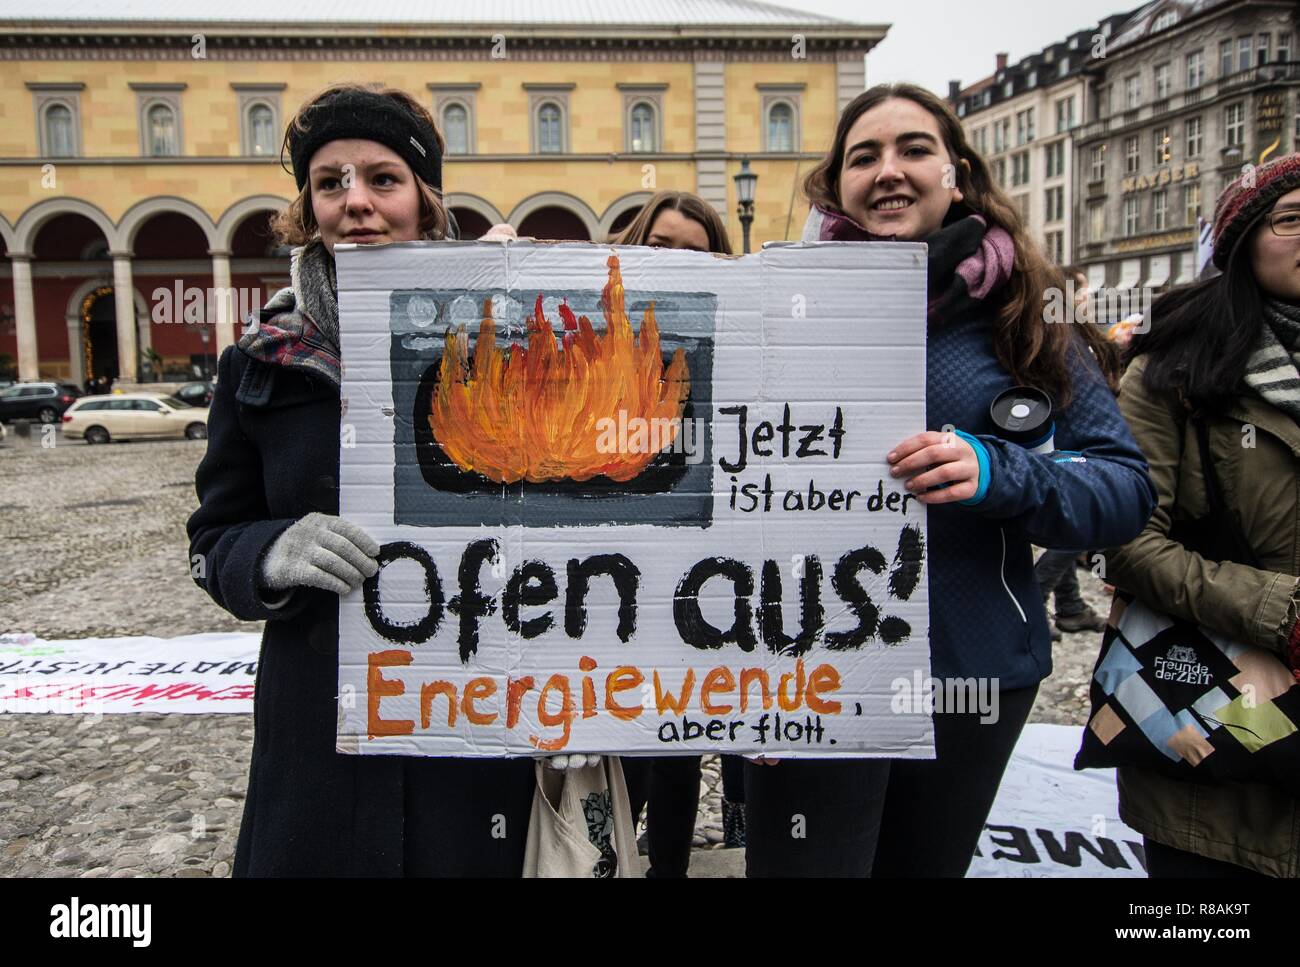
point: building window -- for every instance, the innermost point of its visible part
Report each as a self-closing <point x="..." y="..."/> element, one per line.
<point x="1166" y="19"/>
<point x="1055" y="198"/>
<point x="1104" y="100"/>
<point x="1097" y="162"/>
<point x="1132" y="155"/>
<point x="1132" y="216"/>
<point x="1195" y="70"/>
<point x="259" y="118"/>
<point x="1055" y="155"/>
<point x="455" y="127"/>
<point x="1096" y="221"/>
<point x="160" y="132"/>
<point x="548" y="106"/>
<point x="1195" y="137"/>
<point x="1024" y="126"/>
<point x="981" y="140"/>
<point x="642" y="113"/>
<point x="1243" y="53"/>
<point x="780" y="127"/>
<point x="159" y="113"/>
<point x="1056" y="246"/>
<point x="1063" y="67"/>
<point x="1225" y="57"/>
<point x="643" y="127"/>
<point x="1262" y="50"/>
<point x="1234" y="125"/>
<point x="1161" y="145"/>
<point x="1001" y="135"/>
<point x="1284" y="46"/>
<point x="454" y="105"/>
<point x="1000" y="172"/>
<point x="59" y="134"/>
<point x="550" y="128"/>
<point x="1132" y="91"/>
<point x="1162" y="81"/>
<point x="1191" y="202"/>
<point x="1065" y="114"/>
<point x="1022" y="207"/>
<point x="1019" y="169"/>
<point x="1159" y="208"/>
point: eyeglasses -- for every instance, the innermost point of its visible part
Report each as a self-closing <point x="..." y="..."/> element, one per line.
<point x="1284" y="223"/>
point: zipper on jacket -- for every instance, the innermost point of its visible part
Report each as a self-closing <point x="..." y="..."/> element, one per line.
<point x="1002" y="573"/>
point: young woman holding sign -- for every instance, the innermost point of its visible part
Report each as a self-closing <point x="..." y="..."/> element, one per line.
<point x="901" y="169"/>
<point x="268" y="545"/>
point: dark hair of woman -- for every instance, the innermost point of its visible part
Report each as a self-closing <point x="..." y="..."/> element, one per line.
<point x="1201" y="335"/>
<point x="690" y="206"/>
<point x="1033" y="351"/>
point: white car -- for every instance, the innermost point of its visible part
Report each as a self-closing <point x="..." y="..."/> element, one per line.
<point x="124" y="416"/>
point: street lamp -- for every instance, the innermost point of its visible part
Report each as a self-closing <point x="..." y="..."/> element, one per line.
<point x="745" y="182"/>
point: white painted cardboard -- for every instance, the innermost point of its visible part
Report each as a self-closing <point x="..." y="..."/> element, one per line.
<point x="815" y="326"/>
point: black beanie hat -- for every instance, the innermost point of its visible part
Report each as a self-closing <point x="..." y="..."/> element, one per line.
<point x="354" y="113"/>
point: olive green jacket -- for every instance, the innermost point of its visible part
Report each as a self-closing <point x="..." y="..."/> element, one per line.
<point x="1256" y="451"/>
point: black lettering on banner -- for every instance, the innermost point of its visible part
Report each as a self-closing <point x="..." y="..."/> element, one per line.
<point x="812" y="615"/>
<point x="906" y="574"/>
<point x="1068" y="854"/>
<point x="626" y="575"/>
<point x="532" y="584"/>
<point x="426" y="627"/>
<point x="1020" y="841"/>
<point x="691" y="626"/>
<point x="846" y="584"/>
<point x="472" y="604"/>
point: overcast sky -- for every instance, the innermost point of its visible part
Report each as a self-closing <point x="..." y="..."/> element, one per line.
<point x="933" y="41"/>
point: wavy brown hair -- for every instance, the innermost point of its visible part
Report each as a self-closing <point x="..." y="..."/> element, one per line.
<point x="296" y="225"/>
<point x="690" y="206"/>
<point x="1036" y="353"/>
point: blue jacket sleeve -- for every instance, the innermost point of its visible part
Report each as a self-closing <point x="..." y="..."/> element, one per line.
<point x="1092" y="491"/>
<point x="232" y="528"/>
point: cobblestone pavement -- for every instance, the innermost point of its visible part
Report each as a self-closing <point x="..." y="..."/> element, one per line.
<point x="92" y="543"/>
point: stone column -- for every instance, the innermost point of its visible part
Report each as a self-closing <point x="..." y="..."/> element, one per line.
<point x="124" y="304"/>
<point x="224" y="298"/>
<point x="25" y="316"/>
<point x="76" y="350"/>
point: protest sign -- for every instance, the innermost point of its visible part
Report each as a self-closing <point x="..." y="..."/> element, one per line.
<point x="633" y="500"/>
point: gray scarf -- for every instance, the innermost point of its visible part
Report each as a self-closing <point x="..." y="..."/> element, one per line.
<point x="1274" y="367"/>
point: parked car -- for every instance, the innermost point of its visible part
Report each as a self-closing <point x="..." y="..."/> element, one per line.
<point x="196" y="394"/>
<point x="123" y="416"/>
<point x="37" y="401"/>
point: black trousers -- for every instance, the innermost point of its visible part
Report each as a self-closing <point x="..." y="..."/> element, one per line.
<point x="668" y="788"/>
<point x="882" y="817"/>
<point x="466" y="817"/>
<point x="1056" y="571"/>
<point x="1166" y="862"/>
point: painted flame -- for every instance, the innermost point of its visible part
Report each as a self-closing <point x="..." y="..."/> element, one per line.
<point x="537" y="414"/>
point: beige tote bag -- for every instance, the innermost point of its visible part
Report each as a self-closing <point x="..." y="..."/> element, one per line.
<point x="581" y="824"/>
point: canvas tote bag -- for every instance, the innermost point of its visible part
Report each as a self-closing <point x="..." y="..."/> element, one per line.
<point x="581" y="823"/>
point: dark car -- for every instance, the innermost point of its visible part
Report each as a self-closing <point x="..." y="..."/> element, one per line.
<point x="195" y="394"/>
<point x="37" y="401"/>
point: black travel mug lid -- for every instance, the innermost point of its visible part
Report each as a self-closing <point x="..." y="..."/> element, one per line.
<point x="1023" y="415"/>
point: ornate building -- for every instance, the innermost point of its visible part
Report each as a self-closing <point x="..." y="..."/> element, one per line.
<point x="142" y="141"/>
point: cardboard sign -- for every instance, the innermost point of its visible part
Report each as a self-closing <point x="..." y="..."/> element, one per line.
<point x="633" y="500"/>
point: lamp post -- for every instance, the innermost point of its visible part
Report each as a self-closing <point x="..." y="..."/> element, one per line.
<point x="745" y="182"/>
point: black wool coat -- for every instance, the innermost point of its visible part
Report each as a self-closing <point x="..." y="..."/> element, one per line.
<point x="272" y="458"/>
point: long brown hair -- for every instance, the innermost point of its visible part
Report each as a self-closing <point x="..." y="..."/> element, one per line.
<point x="691" y="206"/>
<point x="1033" y="351"/>
<point x="296" y="225"/>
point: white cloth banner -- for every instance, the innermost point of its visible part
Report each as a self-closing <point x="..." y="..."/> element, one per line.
<point x="98" y="676"/>
<point x="1051" y="821"/>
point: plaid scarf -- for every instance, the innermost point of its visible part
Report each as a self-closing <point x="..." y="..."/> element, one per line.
<point x="968" y="261"/>
<point x="299" y="326"/>
<point x="1274" y="367"/>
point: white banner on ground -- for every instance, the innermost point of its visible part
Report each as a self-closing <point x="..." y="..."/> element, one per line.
<point x="89" y="676"/>
<point x="1051" y="821"/>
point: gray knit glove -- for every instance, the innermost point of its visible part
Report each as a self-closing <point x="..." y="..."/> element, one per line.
<point x="320" y="551"/>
